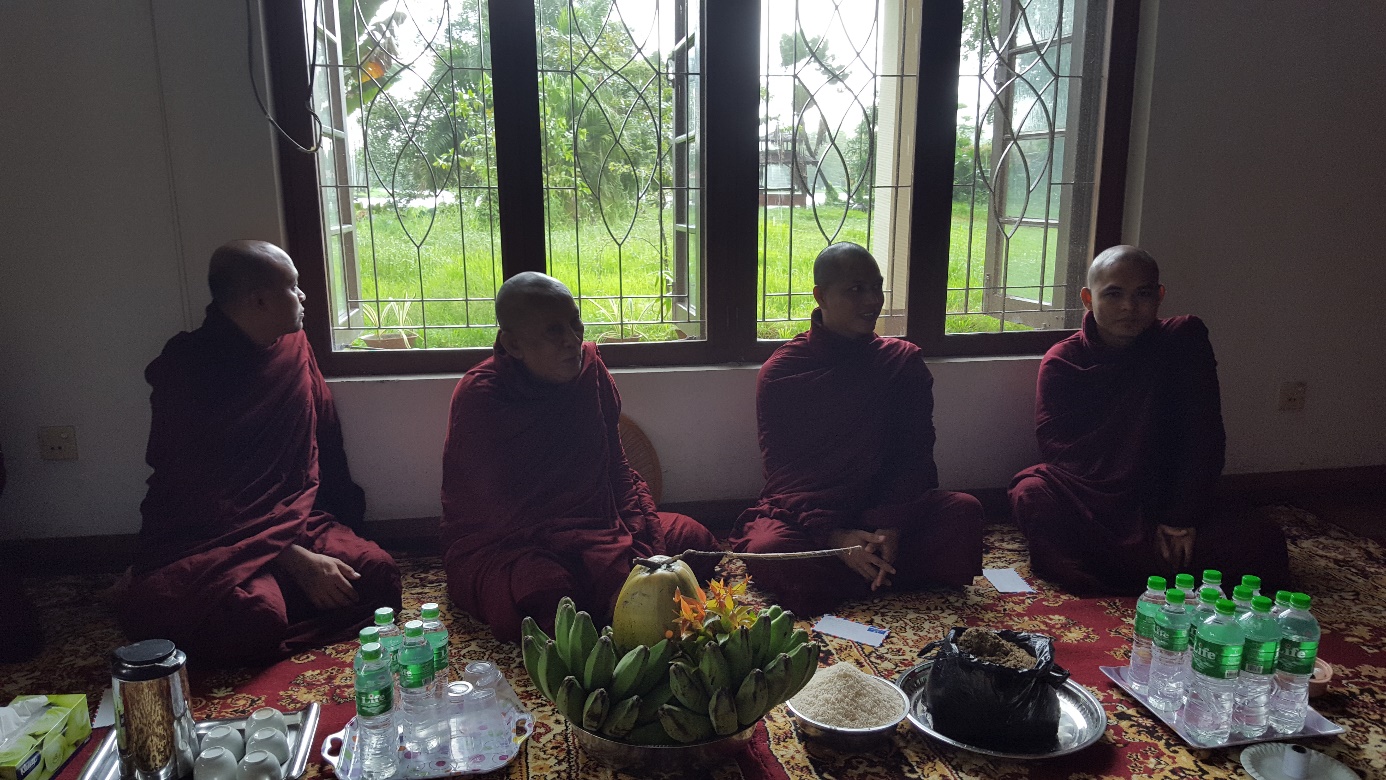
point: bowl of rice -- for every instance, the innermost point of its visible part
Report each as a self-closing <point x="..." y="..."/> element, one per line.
<point x="847" y="708"/>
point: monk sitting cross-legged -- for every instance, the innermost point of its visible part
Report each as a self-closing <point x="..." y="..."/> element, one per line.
<point x="241" y="555"/>
<point x="847" y="435"/>
<point x="1130" y="432"/>
<point x="539" y="501"/>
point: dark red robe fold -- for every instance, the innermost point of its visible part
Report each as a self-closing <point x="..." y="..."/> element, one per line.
<point x="247" y="455"/>
<point x="539" y="500"/>
<point x="847" y="435"/>
<point x="1132" y="439"/>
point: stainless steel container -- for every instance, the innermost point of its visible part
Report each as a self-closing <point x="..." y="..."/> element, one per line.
<point x="154" y="724"/>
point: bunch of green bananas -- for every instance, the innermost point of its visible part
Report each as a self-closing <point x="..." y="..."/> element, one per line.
<point x="647" y="697"/>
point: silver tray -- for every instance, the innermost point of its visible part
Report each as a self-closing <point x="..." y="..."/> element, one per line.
<point x="1315" y="725"/>
<point x="302" y="726"/>
<point x="1082" y="721"/>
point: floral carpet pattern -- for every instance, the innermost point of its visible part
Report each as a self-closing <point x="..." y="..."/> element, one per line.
<point x="1345" y="573"/>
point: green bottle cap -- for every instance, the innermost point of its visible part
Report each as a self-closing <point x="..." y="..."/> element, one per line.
<point x="1251" y="581"/>
<point x="1209" y="595"/>
<point x="369" y="634"/>
<point x="1225" y="606"/>
<point x="1156" y="583"/>
<point x="413" y="628"/>
<point x="1242" y="592"/>
<point x="1282" y="597"/>
<point x="371" y="651"/>
<point x="1260" y="604"/>
<point x="1301" y="600"/>
<point x="384" y="616"/>
<point x="429" y="611"/>
<point x="1212" y="575"/>
<point x="1184" y="581"/>
<point x="1174" y="596"/>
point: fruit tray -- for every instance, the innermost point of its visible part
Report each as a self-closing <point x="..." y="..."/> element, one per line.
<point x="1315" y="725"/>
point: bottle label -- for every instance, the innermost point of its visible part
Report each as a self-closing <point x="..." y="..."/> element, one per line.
<point x="1145" y="620"/>
<point x="1259" y="657"/>
<point x="1174" y="639"/>
<point x="1219" y="661"/>
<point x="1297" y="657"/>
<point x="416" y="675"/>
<point x="440" y="658"/>
<point x="377" y="702"/>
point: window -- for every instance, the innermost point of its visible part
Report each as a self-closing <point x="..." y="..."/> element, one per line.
<point x="680" y="163"/>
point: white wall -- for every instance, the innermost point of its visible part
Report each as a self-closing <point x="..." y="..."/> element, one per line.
<point x="1260" y="196"/>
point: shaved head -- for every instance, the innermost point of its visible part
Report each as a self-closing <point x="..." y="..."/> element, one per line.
<point x="241" y="268"/>
<point x="524" y="292"/>
<point x="1123" y="253"/>
<point x="540" y="326"/>
<point x="837" y="261"/>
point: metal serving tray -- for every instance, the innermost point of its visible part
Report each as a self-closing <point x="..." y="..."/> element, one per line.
<point x="1082" y="721"/>
<point x="302" y="726"/>
<point x="1315" y="725"/>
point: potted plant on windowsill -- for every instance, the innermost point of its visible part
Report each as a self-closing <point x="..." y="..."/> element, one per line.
<point x="389" y="320"/>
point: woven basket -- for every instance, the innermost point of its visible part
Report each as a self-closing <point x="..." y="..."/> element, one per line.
<point x="642" y="456"/>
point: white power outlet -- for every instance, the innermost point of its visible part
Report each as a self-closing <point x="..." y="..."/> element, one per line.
<point x="1292" y="396"/>
<point x="58" y="442"/>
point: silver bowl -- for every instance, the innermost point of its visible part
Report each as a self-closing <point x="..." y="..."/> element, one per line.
<point x="663" y="758"/>
<point x="852" y="740"/>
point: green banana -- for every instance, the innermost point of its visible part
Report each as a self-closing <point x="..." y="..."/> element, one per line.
<point x="687" y="686"/>
<point x="651" y="733"/>
<point x="582" y="638"/>
<point x="553" y="669"/>
<point x="752" y="698"/>
<point x="601" y="662"/>
<point x="622" y="717"/>
<point x="563" y="624"/>
<point x="760" y="641"/>
<point x="721" y="710"/>
<point x="713" y="667"/>
<point x="608" y="631"/>
<point x="534" y="655"/>
<point x="530" y="627"/>
<point x="650" y="703"/>
<point x="594" y="710"/>
<point x="656" y="667"/>
<point x="628" y="670"/>
<point x="798" y="637"/>
<point x="780" y="628"/>
<point x="803" y="665"/>
<point x="571" y="699"/>
<point x="684" y="725"/>
<point x="777" y="678"/>
<point x="738" y="652"/>
<point x="775" y="610"/>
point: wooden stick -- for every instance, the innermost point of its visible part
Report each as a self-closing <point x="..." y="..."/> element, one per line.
<point x="786" y="556"/>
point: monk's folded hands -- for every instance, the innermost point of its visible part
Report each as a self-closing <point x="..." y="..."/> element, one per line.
<point x="324" y="579"/>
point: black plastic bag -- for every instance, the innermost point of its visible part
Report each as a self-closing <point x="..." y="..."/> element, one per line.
<point x="983" y="704"/>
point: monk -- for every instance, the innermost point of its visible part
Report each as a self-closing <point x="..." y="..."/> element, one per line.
<point x="245" y="554"/>
<point x="847" y="436"/>
<point x="539" y="501"/>
<point x="1130" y="431"/>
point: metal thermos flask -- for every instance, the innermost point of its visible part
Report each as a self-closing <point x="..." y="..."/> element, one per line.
<point x="155" y="732"/>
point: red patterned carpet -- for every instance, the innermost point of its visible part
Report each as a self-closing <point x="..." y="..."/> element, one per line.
<point x="1345" y="573"/>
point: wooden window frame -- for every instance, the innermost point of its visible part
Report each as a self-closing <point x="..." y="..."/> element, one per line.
<point x="729" y="229"/>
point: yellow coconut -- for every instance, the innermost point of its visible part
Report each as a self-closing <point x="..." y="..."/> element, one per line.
<point x="645" y="609"/>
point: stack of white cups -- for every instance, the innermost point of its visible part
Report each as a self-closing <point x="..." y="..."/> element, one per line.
<point x="258" y="754"/>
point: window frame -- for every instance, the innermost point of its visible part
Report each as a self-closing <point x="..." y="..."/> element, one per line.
<point x="729" y="44"/>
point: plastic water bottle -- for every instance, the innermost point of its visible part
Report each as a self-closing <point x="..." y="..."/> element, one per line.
<point x="1217" y="662"/>
<point x="368" y="634"/>
<point x="1185" y="582"/>
<point x="1212" y="578"/>
<point x="1251" y="711"/>
<point x="418" y="696"/>
<point x="1253" y="582"/>
<point x="1147" y="607"/>
<point x="436" y="634"/>
<point x="1170" y="653"/>
<point x="1282" y="603"/>
<point x="1294" y="663"/>
<point x="390" y="636"/>
<point x="1206" y="607"/>
<point x="1242" y="596"/>
<point x="375" y="713"/>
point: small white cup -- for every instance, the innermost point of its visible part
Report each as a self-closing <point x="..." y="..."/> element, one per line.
<point x="270" y="741"/>
<point x="259" y="765"/>
<point x="225" y="737"/>
<point x="265" y="717"/>
<point x="215" y="763"/>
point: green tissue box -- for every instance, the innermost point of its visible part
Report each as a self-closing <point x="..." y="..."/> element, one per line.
<point x="49" y="740"/>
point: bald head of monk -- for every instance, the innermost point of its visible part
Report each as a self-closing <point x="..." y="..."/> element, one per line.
<point x="255" y="284"/>
<point x="847" y="285"/>
<point x="1123" y="293"/>
<point x="540" y="326"/>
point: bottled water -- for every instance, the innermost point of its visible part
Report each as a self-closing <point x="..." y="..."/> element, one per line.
<point x="1212" y="578"/>
<point x="1217" y="661"/>
<point x="1242" y="596"/>
<point x="418" y="696"/>
<point x="437" y="636"/>
<point x="390" y="636"/>
<point x="368" y="634"/>
<point x="375" y="715"/>
<point x="1207" y="607"/>
<point x="1251" y="711"/>
<point x="1282" y="603"/>
<point x="1185" y="582"/>
<point x="1147" y="607"/>
<point x="1294" y="663"/>
<point x="1253" y="582"/>
<point x="1170" y="653"/>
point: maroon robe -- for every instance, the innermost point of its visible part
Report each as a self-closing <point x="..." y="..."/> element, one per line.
<point x="847" y="435"/>
<point x="248" y="459"/>
<point x="1131" y="439"/>
<point x="539" y="501"/>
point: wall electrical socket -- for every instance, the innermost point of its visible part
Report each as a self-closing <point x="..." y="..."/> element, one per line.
<point x="1292" y="396"/>
<point x="58" y="442"/>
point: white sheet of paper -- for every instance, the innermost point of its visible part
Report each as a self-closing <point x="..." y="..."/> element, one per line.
<point x="1007" y="581"/>
<point x="847" y="629"/>
<point x="105" y="711"/>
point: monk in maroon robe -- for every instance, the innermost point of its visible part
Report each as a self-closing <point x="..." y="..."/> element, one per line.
<point x="539" y="501"/>
<point x="1130" y="431"/>
<point x="243" y="555"/>
<point x="847" y="435"/>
